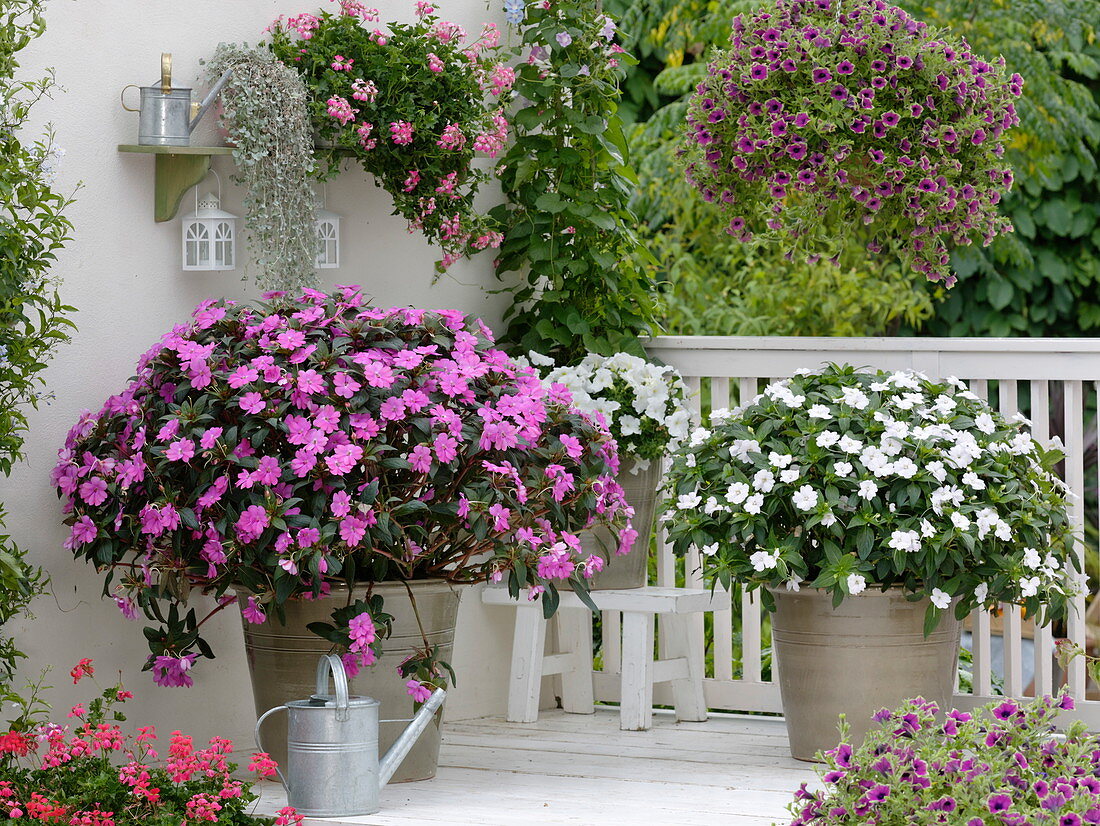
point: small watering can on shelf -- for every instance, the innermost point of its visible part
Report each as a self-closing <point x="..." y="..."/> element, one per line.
<point x="167" y="117"/>
<point x="333" y="768"/>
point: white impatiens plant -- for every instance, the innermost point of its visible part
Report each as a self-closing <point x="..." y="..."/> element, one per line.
<point x="643" y="404"/>
<point x="844" y="480"/>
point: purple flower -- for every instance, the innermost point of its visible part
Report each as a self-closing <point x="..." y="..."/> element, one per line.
<point x="891" y="119"/>
<point x="877" y="155"/>
<point x="878" y="65"/>
<point x="845" y="67"/>
<point x="1069" y="819"/>
<point x="978" y="137"/>
<point x="904" y="62"/>
<point x="806" y="177"/>
<point x="944" y="804"/>
<point x="758" y="71"/>
<point x="253" y="612"/>
<point x="172" y="671"/>
<point x="788" y="65"/>
<point x="843" y="756"/>
<point x="563" y="38"/>
<point x="927" y="185"/>
<point x="1007" y="709"/>
<point x="773" y="106"/>
<point x="999" y="803"/>
<point x="779" y="129"/>
<point x="801" y="119"/>
<point x="838" y="92"/>
<point x="821" y="75"/>
<point x="879" y="793"/>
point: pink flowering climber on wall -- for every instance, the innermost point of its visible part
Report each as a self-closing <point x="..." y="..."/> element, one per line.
<point x="280" y="448"/>
<point x="833" y="122"/>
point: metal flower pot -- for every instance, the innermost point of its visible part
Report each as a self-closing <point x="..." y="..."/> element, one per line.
<point x="282" y="661"/>
<point x="868" y="653"/>
<point x="629" y="570"/>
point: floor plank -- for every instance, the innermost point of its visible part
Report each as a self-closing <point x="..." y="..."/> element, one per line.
<point x="582" y="770"/>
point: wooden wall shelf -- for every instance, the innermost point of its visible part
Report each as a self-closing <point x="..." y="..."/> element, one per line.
<point x="178" y="168"/>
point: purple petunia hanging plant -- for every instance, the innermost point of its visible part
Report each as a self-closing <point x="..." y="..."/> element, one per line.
<point x="832" y="120"/>
<point x="277" y="450"/>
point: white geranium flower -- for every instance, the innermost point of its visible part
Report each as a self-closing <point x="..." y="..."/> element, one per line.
<point x="941" y="599"/>
<point x="819" y="411"/>
<point x="755" y="503"/>
<point x="709" y="550"/>
<point x="857" y="584"/>
<point x="790" y="475"/>
<point x="805" y="498"/>
<point x="764" y="481"/>
<point x="984" y="423"/>
<point x="737" y="493"/>
<point x="908" y="541"/>
<point x="1032" y="559"/>
<point x="780" y="460"/>
<point x="827" y="438"/>
<point x="868" y="489"/>
<point x="842" y="468"/>
<point x="981" y="593"/>
<point x="850" y="445"/>
<point x="629" y="425"/>
<point x="1029" y="586"/>
<point x="688" y="501"/>
<point x="764" y="560"/>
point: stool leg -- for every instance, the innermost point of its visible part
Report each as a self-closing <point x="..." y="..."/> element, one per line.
<point x="636" y="709"/>
<point x="687" y="693"/>
<point x="575" y="637"/>
<point x="528" y="647"/>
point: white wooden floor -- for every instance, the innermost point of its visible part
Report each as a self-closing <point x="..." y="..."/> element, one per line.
<point x="580" y="769"/>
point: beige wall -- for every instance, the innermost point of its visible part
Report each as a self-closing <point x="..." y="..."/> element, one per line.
<point x="122" y="272"/>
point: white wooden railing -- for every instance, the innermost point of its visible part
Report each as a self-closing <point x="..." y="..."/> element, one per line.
<point x="1052" y="381"/>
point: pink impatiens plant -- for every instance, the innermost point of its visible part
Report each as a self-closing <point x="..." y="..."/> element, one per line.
<point x="837" y="120"/>
<point x="274" y="450"/>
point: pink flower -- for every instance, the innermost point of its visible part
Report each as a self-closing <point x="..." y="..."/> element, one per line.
<point x="366" y="91"/>
<point x="446" y="448"/>
<point x="572" y="446"/>
<point x="341" y="504"/>
<point x="420" y="459"/>
<point x="252" y="403"/>
<point x="308" y="537"/>
<point x="172" y="671"/>
<point x="341" y="63"/>
<point x="84" y="531"/>
<point x="242" y="376"/>
<point x="182" y="450"/>
<point x="94" y="491"/>
<point x="500" y="516"/>
<point x="420" y="692"/>
<point x="311" y="382"/>
<point x="253" y="612"/>
<point x="412" y="180"/>
<point x="252" y="522"/>
<point x="352" y="530"/>
<point x="401" y="132"/>
<point x="127" y="606"/>
<point x="434" y="63"/>
<point x="452" y="137"/>
<point x="210" y="438"/>
<point x="344" y="458"/>
<point x="362" y="632"/>
<point x="340" y="110"/>
<point x="344" y="385"/>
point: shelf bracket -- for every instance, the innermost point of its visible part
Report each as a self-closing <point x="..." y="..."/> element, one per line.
<point x="174" y="175"/>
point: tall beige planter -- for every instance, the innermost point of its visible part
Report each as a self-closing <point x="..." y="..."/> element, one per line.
<point x="629" y="570"/>
<point x="868" y="653"/>
<point x="282" y="661"/>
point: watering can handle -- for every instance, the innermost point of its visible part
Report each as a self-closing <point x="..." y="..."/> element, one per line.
<point x="260" y="745"/>
<point x="122" y="97"/>
<point x="331" y="664"/>
<point x="166" y="72"/>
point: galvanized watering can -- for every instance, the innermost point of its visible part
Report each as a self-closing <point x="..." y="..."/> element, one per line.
<point x="332" y="766"/>
<point x="167" y="115"/>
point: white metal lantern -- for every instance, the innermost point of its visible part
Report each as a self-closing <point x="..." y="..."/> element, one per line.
<point x="209" y="236"/>
<point x="328" y="239"/>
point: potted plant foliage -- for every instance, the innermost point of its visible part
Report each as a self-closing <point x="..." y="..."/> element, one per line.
<point x="413" y="105"/>
<point x="875" y="510"/>
<point x="1003" y="763"/>
<point x="644" y="408"/>
<point x="334" y="465"/>
<point x="836" y="122"/>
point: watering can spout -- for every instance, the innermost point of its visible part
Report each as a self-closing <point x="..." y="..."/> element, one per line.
<point x="209" y="100"/>
<point x="409" y="736"/>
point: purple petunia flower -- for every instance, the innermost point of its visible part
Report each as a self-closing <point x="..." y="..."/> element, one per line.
<point x="978" y="137"/>
<point x="904" y="62"/>
<point x="758" y="71"/>
<point x="878" y="793"/>
<point x="927" y="185"/>
<point x="891" y="119"/>
<point x="796" y="151"/>
<point x="788" y="65"/>
<point x="773" y="106"/>
<point x="845" y="67"/>
<point x="779" y="129"/>
<point x="999" y="803"/>
<point x="838" y="92"/>
<point x="1008" y="709"/>
<point x="878" y="65"/>
<point x="821" y="75"/>
<point x="877" y="155"/>
<point x="801" y="119"/>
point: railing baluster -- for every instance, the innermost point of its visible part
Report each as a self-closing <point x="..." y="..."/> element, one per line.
<point x="1075" y="479"/>
<point x="723" y="620"/>
<point x="1044" y="637"/>
<point x="1012" y="630"/>
<point x="611" y="636"/>
<point x="983" y="665"/>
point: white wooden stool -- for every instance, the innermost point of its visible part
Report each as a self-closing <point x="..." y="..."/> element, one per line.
<point x="639" y="606"/>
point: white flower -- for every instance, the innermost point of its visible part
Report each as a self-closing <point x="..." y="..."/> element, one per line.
<point x="763" y="481"/>
<point x="819" y="411"/>
<point x="946" y="495"/>
<point x="850" y="445"/>
<point x="897" y="430"/>
<point x="1032" y="558"/>
<point x="842" y="468"/>
<point x="1022" y="419"/>
<point x="879" y="386"/>
<point x="741" y="448"/>
<point x="720" y="416"/>
<point x="981" y="592"/>
<point x="755" y="503"/>
<point x="629" y="425"/>
<point x="827" y="438"/>
<point x="854" y="397"/>
<point x="905" y="468"/>
<point x="909" y="401"/>
<point x="905" y="379"/>
<point x="737" y="493"/>
<point x="856" y="584"/>
<point x="678" y="423"/>
<point x="1029" y="586"/>
<point x="792" y="585"/>
<point x="927" y="529"/>
<point x="698" y="436"/>
<point x="940" y="599"/>
<point x="984" y="423"/>
<point x="908" y="541"/>
<point x="945" y="405"/>
<point x="688" y="501"/>
<point x="805" y="498"/>
<point x="1002" y="530"/>
<point x="1051" y="563"/>
<point x="960" y="520"/>
<point x="539" y="360"/>
<point x="764" y="560"/>
<point x="939" y="473"/>
<point x="709" y="550"/>
<point x="972" y="479"/>
<point x="780" y="460"/>
<point x="828" y="519"/>
<point x="711" y="506"/>
<point x="790" y="475"/>
<point x="891" y="446"/>
<point x="868" y="489"/>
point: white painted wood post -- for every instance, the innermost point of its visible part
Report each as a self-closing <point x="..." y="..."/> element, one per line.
<point x="636" y="712"/>
<point x="575" y="641"/>
<point x="687" y="691"/>
<point x="528" y="646"/>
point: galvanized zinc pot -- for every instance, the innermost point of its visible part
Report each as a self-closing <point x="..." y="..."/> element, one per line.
<point x="868" y="653"/>
<point x="282" y="661"/>
<point x="629" y="570"/>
